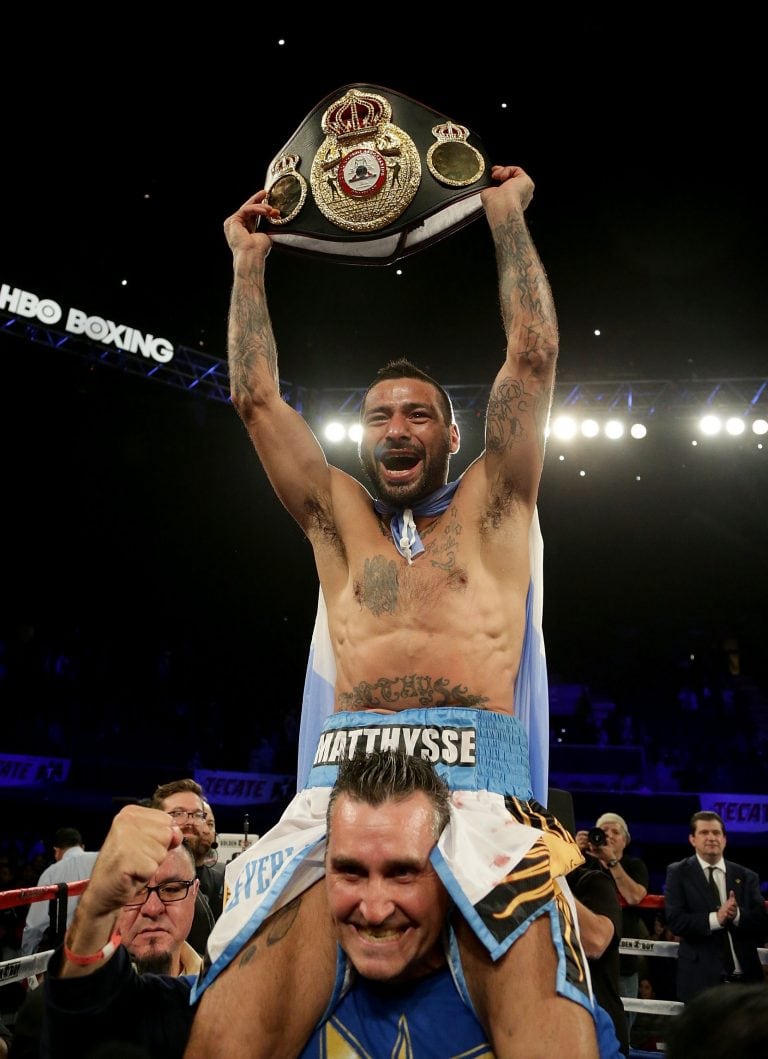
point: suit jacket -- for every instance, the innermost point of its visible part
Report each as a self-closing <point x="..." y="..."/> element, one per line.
<point x="688" y="901"/>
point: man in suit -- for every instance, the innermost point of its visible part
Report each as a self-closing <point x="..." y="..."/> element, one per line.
<point x="718" y="911"/>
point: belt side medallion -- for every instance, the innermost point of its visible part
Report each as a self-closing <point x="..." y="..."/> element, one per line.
<point x="287" y="190"/>
<point x="452" y="160"/>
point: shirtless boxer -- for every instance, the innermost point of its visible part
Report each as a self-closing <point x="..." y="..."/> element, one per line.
<point x="427" y="622"/>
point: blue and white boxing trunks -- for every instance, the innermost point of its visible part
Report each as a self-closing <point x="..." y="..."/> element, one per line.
<point x="501" y="857"/>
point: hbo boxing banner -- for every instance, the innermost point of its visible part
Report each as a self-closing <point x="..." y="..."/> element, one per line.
<point x="49" y="313"/>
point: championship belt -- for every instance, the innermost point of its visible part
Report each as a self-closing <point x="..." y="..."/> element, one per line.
<point x="371" y="176"/>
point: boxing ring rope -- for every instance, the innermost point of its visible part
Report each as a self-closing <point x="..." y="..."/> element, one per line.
<point x="30" y="894"/>
<point x="27" y="967"/>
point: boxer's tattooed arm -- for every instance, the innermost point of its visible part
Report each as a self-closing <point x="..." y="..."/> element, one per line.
<point x="527" y="306"/>
<point x="425" y="690"/>
<point x="510" y="411"/>
<point x="520" y="399"/>
<point x="252" y="352"/>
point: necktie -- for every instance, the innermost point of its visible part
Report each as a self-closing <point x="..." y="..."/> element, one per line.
<point x="725" y="941"/>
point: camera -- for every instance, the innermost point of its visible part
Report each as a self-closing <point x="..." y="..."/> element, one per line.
<point x="596" y="836"/>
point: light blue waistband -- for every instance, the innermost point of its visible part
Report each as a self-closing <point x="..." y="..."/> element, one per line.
<point x="473" y="750"/>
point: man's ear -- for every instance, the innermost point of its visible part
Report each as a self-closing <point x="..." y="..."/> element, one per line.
<point x="455" y="439"/>
<point x="690" y="839"/>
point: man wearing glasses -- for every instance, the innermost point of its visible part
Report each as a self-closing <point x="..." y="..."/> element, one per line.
<point x="154" y="925"/>
<point x="129" y="888"/>
<point x="183" y="800"/>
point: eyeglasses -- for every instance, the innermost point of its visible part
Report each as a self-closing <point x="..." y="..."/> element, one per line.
<point x="167" y="892"/>
<point x="185" y="814"/>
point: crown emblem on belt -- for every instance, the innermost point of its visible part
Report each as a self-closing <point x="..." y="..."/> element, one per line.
<point x="367" y="170"/>
<point x="356" y="114"/>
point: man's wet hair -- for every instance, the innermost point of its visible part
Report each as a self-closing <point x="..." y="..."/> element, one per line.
<point x="402" y="368"/>
<point x="390" y="775"/>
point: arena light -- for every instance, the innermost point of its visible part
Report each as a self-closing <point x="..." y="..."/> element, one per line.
<point x="760" y="427"/>
<point x="614" y="429"/>
<point x="638" y="430"/>
<point x="334" y="431"/>
<point x="735" y="426"/>
<point x="564" y="428"/>
<point x="340" y="430"/>
<point x="710" y="425"/>
<point x="590" y="428"/>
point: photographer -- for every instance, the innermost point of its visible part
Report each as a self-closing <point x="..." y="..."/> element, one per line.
<point x="606" y="843"/>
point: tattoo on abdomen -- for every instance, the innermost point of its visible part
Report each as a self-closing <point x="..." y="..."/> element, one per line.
<point x="387" y="691"/>
<point x="378" y="591"/>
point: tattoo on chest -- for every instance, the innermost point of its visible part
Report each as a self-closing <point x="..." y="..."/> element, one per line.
<point x="418" y="687"/>
<point x="387" y="584"/>
<point x="378" y="589"/>
<point x="442" y="553"/>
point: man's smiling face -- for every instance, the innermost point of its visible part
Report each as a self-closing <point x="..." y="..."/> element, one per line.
<point x="387" y="902"/>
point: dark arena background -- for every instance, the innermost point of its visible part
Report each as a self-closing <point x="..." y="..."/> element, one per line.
<point x="157" y="601"/>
